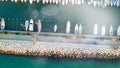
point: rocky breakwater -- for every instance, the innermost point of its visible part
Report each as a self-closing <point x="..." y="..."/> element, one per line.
<point x="59" y="49"/>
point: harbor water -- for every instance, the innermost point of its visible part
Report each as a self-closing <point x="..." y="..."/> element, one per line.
<point x="16" y="14"/>
<point x="14" y="61"/>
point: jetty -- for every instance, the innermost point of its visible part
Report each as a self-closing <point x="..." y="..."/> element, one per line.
<point x="58" y="47"/>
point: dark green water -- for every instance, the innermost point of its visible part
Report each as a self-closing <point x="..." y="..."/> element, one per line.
<point x="50" y="14"/>
<point x="12" y="61"/>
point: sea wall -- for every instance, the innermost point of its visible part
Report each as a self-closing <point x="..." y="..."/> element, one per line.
<point x="58" y="49"/>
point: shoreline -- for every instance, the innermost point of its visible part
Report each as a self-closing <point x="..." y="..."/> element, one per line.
<point x="58" y="49"/>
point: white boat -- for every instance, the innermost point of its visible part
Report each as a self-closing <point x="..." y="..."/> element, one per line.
<point x="43" y="1"/>
<point x="111" y="31"/>
<point x="118" y="31"/>
<point x="79" y="2"/>
<point x="68" y="27"/>
<point x="95" y="31"/>
<point x="76" y="29"/>
<point x="76" y="2"/>
<point x="30" y="1"/>
<point x="25" y="1"/>
<point x="80" y="29"/>
<point x="53" y="1"/>
<point x="55" y="28"/>
<point x="2" y="24"/>
<point x="63" y="2"/>
<point x="57" y="1"/>
<point x="15" y="0"/>
<point x="21" y="0"/>
<point x="31" y="25"/>
<point x="38" y="1"/>
<point x="118" y="3"/>
<point x="66" y="2"/>
<point x="82" y="1"/>
<point x="72" y="2"/>
<point x="89" y="2"/>
<point x="50" y="1"/>
<point x="46" y="1"/>
<point x="26" y="24"/>
<point x="39" y="26"/>
<point x="103" y="31"/>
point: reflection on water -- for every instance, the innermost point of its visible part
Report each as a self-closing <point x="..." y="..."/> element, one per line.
<point x="12" y="61"/>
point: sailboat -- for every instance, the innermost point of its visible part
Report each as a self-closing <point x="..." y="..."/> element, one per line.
<point x="76" y="29"/>
<point x="2" y="24"/>
<point x="26" y="24"/>
<point x="55" y="28"/>
<point x="80" y="29"/>
<point x="111" y="31"/>
<point x="95" y="31"/>
<point x="103" y="31"/>
<point x="118" y="31"/>
<point x="31" y="25"/>
<point x="68" y="27"/>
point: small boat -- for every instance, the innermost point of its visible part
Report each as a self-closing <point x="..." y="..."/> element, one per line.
<point x="118" y="31"/>
<point x="55" y="28"/>
<point x="30" y="1"/>
<point x="66" y="2"/>
<point x="103" y="31"/>
<point x="39" y="26"/>
<point x="68" y="27"/>
<point x="2" y="24"/>
<point x="118" y="3"/>
<point x="76" y="29"/>
<point x="82" y="1"/>
<point x="46" y="1"/>
<point x="53" y="1"/>
<point x="63" y="2"/>
<point x="57" y="1"/>
<point x="38" y="1"/>
<point x="31" y="25"/>
<point x="26" y="24"/>
<point x="95" y="31"/>
<point x="79" y="2"/>
<point x="80" y="29"/>
<point x="21" y="0"/>
<point x="76" y="2"/>
<point x="25" y="1"/>
<point x="111" y="31"/>
<point x="72" y="2"/>
<point x="15" y="0"/>
<point x="43" y="1"/>
<point x="50" y="1"/>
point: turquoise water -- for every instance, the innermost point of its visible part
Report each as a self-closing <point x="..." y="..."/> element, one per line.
<point x="12" y="61"/>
